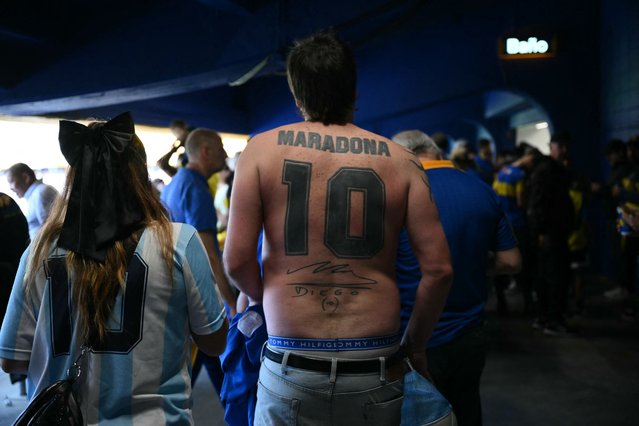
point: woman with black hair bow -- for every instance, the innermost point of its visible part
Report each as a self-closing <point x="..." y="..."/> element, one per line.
<point x="109" y="271"/>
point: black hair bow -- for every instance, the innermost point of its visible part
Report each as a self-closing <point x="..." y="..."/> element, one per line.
<point x="101" y="207"/>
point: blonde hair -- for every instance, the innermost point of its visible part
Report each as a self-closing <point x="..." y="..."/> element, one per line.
<point x="96" y="284"/>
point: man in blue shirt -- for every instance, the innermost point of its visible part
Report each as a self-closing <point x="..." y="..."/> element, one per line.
<point x="481" y="242"/>
<point x="188" y="200"/>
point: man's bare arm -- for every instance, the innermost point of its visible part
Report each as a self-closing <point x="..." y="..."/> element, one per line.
<point x="212" y="344"/>
<point x="13" y="366"/>
<point x="225" y="289"/>
<point x="244" y="226"/>
<point x="431" y="250"/>
<point x="163" y="162"/>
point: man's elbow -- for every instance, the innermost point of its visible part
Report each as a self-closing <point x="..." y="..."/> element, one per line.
<point x="448" y="274"/>
<point x="234" y="265"/>
<point x="215" y="343"/>
<point x="441" y="274"/>
<point x="13" y="366"/>
<point x="230" y="265"/>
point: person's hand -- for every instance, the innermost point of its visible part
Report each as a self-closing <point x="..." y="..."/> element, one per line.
<point x="243" y="302"/>
<point x="420" y="364"/>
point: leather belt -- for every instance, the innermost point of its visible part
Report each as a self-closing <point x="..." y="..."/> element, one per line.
<point x="343" y="366"/>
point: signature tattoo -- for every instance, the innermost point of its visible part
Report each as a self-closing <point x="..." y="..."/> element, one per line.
<point x="328" y="282"/>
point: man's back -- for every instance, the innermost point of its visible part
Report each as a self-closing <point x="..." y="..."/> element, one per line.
<point x="188" y="200"/>
<point x="40" y="197"/>
<point x="334" y="199"/>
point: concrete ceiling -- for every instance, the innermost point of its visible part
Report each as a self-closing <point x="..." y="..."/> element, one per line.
<point x="220" y="63"/>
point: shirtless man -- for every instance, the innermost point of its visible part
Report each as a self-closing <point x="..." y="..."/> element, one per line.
<point x="332" y="199"/>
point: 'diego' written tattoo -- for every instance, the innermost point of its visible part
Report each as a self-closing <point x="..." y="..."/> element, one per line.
<point x="327" y="283"/>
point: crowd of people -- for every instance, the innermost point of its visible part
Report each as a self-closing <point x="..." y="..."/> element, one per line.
<point x="307" y="277"/>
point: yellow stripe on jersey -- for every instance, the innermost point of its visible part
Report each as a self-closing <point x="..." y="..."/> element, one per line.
<point x="505" y="189"/>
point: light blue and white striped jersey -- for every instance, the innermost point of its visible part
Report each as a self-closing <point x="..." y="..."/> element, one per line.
<point x="141" y="374"/>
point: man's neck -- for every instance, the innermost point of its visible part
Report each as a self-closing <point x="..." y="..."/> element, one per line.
<point x="428" y="157"/>
<point x="199" y="168"/>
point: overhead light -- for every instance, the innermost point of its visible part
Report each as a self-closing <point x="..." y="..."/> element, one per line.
<point x="541" y="125"/>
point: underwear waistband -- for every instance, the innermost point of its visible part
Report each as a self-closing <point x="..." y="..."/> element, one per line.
<point x="334" y="345"/>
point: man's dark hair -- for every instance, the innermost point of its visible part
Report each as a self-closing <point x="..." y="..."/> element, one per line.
<point x="179" y="123"/>
<point x="20" y="168"/>
<point x="522" y="148"/>
<point x="483" y="143"/>
<point x="323" y="76"/>
<point x="562" y="138"/>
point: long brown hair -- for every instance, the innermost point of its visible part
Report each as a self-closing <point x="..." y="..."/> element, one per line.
<point x="96" y="284"/>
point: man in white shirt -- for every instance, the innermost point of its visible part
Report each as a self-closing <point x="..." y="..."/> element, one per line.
<point x="40" y="196"/>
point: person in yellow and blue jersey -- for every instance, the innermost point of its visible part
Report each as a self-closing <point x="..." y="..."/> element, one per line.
<point x="481" y="242"/>
<point x="510" y="187"/>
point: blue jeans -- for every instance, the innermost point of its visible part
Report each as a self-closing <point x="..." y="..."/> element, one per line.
<point x="293" y="396"/>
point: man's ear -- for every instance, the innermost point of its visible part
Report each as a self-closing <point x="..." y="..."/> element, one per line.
<point x="204" y="151"/>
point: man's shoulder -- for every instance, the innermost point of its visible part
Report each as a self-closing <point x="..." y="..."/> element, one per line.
<point x="44" y="190"/>
<point x="49" y="189"/>
<point x="184" y="178"/>
<point x="320" y="139"/>
<point x="471" y="183"/>
<point x="185" y="182"/>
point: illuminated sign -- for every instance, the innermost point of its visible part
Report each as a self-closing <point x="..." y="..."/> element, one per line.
<point x="526" y="47"/>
